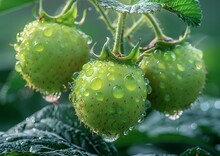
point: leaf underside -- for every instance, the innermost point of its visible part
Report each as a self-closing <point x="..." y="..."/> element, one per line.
<point x="54" y="130"/>
<point x="188" y="10"/>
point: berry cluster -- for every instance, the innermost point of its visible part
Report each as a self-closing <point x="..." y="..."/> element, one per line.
<point x="110" y="92"/>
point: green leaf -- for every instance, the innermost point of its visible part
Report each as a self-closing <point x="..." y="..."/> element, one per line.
<point x="54" y="130"/>
<point x="140" y="7"/>
<point x="188" y="10"/>
<point x="5" y="5"/>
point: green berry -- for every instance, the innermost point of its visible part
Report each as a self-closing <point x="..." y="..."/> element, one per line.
<point x="177" y="77"/>
<point x="109" y="97"/>
<point x="48" y="54"/>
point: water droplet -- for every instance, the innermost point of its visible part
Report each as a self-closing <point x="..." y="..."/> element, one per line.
<point x="169" y="56"/>
<point x="130" y="83"/>
<point x="75" y="75"/>
<point x="99" y="96"/>
<point x="89" y="39"/>
<point x="198" y="65"/>
<point x="217" y="104"/>
<point x="175" y="116"/>
<point x="131" y="128"/>
<point x="141" y="119"/>
<point x="161" y="66"/>
<point x="101" y="71"/>
<point x="86" y="66"/>
<point x="110" y="76"/>
<point x="89" y="72"/>
<point x="118" y="92"/>
<point x="52" y="98"/>
<point x="47" y="32"/>
<point x="96" y="83"/>
<point x="146" y="81"/>
<point x="180" y="67"/>
<point x="39" y="47"/>
<point x="200" y="54"/>
<point x="148" y="104"/>
<point x="167" y="97"/>
<point x="149" y="89"/>
<point x="18" y="67"/>
<point x="86" y="92"/>
<point x="125" y="132"/>
<point x="163" y="76"/>
<point x="137" y="100"/>
<point x="110" y="138"/>
<point x="157" y="53"/>
<point x="162" y="85"/>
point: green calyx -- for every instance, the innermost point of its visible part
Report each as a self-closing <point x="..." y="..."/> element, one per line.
<point x="66" y="17"/>
<point x="107" y="54"/>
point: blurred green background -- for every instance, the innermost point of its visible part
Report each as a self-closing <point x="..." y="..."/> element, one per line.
<point x="17" y="102"/>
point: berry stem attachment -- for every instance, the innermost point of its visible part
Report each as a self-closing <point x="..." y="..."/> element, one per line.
<point x="155" y="25"/>
<point x="119" y="34"/>
<point x="41" y="11"/>
<point x="66" y="7"/>
<point x="104" y="17"/>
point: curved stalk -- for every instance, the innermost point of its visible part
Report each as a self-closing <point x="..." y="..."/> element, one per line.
<point x="104" y="17"/>
<point x="157" y="30"/>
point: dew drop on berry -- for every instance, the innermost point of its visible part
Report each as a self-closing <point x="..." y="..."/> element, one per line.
<point x="110" y="138"/>
<point x="198" y="65"/>
<point x="75" y="75"/>
<point x="131" y="128"/>
<point x="51" y="97"/>
<point x="167" y="97"/>
<point x="86" y="66"/>
<point x="161" y="66"/>
<point x="38" y="47"/>
<point x="146" y="81"/>
<point x="175" y="116"/>
<point x="148" y="104"/>
<point x="141" y="118"/>
<point x="200" y="54"/>
<point x="169" y="56"/>
<point x="99" y="96"/>
<point x="149" y="89"/>
<point x="125" y="132"/>
<point x="47" y="32"/>
<point x="18" y="67"/>
<point x="89" y="72"/>
<point x="180" y="67"/>
<point x="101" y="71"/>
<point x="118" y="92"/>
<point x="157" y="53"/>
<point x="96" y="83"/>
<point x="110" y="77"/>
<point x="130" y="83"/>
<point x="86" y="92"/>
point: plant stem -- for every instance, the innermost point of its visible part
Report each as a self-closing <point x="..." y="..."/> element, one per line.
<point x="119" y="35"/>
<point x="104" y="17"/>
<point x="67" y="6"/>
<point x="157" y="30"/>
<point x="41" y="7"/>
